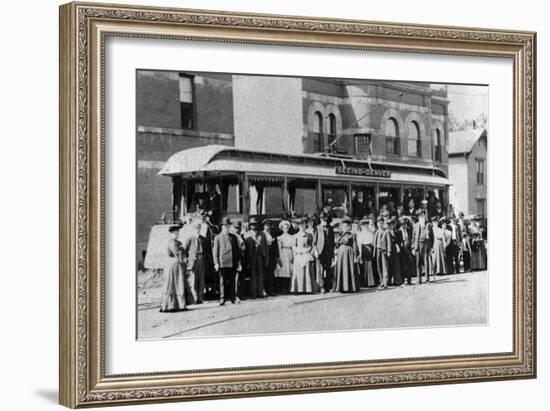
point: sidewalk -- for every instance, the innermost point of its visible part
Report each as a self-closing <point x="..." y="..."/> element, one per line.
<point x="459" y="299"/>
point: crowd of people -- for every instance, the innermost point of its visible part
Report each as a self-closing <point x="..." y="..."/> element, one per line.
<point x="319" y="253"/>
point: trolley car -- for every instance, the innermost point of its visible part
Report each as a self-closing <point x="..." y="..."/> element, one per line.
<point x="273" y="185"/>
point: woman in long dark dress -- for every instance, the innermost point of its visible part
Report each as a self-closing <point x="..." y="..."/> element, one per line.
<point x="345" y="277"/>
<point x="173" y="297"/>
<point x="479" y="252"/>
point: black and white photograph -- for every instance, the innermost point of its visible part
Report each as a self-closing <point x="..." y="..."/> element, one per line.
<point x="277" y="204"/>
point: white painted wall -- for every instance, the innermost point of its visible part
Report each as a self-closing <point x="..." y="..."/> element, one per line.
<point x="458" y="176"/>
<point x="278" y="118"/>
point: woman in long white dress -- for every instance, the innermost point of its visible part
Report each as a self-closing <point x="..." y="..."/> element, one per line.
<point x="441" y="239"/>
<point x="283" y="272"/>
<point x="303" y="268"/>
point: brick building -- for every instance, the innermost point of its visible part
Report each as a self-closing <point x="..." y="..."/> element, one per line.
<point x="395" y="123"/>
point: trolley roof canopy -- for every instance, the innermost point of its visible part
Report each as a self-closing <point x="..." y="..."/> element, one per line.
<point x="219" y="160"/>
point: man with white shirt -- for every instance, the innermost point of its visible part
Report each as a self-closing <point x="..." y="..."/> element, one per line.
<point x="453" y="249"/>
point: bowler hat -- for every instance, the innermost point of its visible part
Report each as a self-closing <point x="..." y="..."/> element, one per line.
<point x="173" y="228"/>
<point x="237" y="223"/>
<point x="226" y="221"/>
<point x="253" y="221"/>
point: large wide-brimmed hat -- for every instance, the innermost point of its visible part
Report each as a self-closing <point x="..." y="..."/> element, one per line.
<point x="284" y="223"/>
<point x="346" y="220"/>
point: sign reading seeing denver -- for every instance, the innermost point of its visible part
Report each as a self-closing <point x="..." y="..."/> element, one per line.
<point x="357" y="171"/>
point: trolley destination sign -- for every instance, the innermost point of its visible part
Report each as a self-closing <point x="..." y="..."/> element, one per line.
<point x="360" y="171"/>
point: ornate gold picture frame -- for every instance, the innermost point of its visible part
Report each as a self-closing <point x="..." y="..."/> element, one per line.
<point x="84" y="28"/>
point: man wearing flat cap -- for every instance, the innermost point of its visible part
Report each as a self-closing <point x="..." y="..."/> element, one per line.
<point x="227" y="260"/>
<point x="422" y="243"/>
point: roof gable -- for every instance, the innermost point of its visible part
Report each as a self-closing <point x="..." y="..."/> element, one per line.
<point x="462" y="141"/>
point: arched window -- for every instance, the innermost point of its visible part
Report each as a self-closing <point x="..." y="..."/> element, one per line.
<point x="414" y="140"/>
<point x="437" y="144"/>
<point x="331" y="128"/>
<point x="392" y="136"/>
<point x="318" y="131"/>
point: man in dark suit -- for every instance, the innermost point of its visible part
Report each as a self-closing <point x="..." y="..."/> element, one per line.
<point x="236" y="230"/>
<point x="359" y="206"/>
<point x="273" y="258"/>
<point x="379" y="252"/>
<point x="438" y="210"/>
<point x="454" y="247"/>
<point x="196" y="249"/>
<point x="257" y="257"/>
<point x="410" y="210"/>
<point x="213" y="207"/>
<point x="323" y="242"/>
<point x="404" y="240"/>
<point x="227" y="260"/>
<point x="422" y="243"/>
